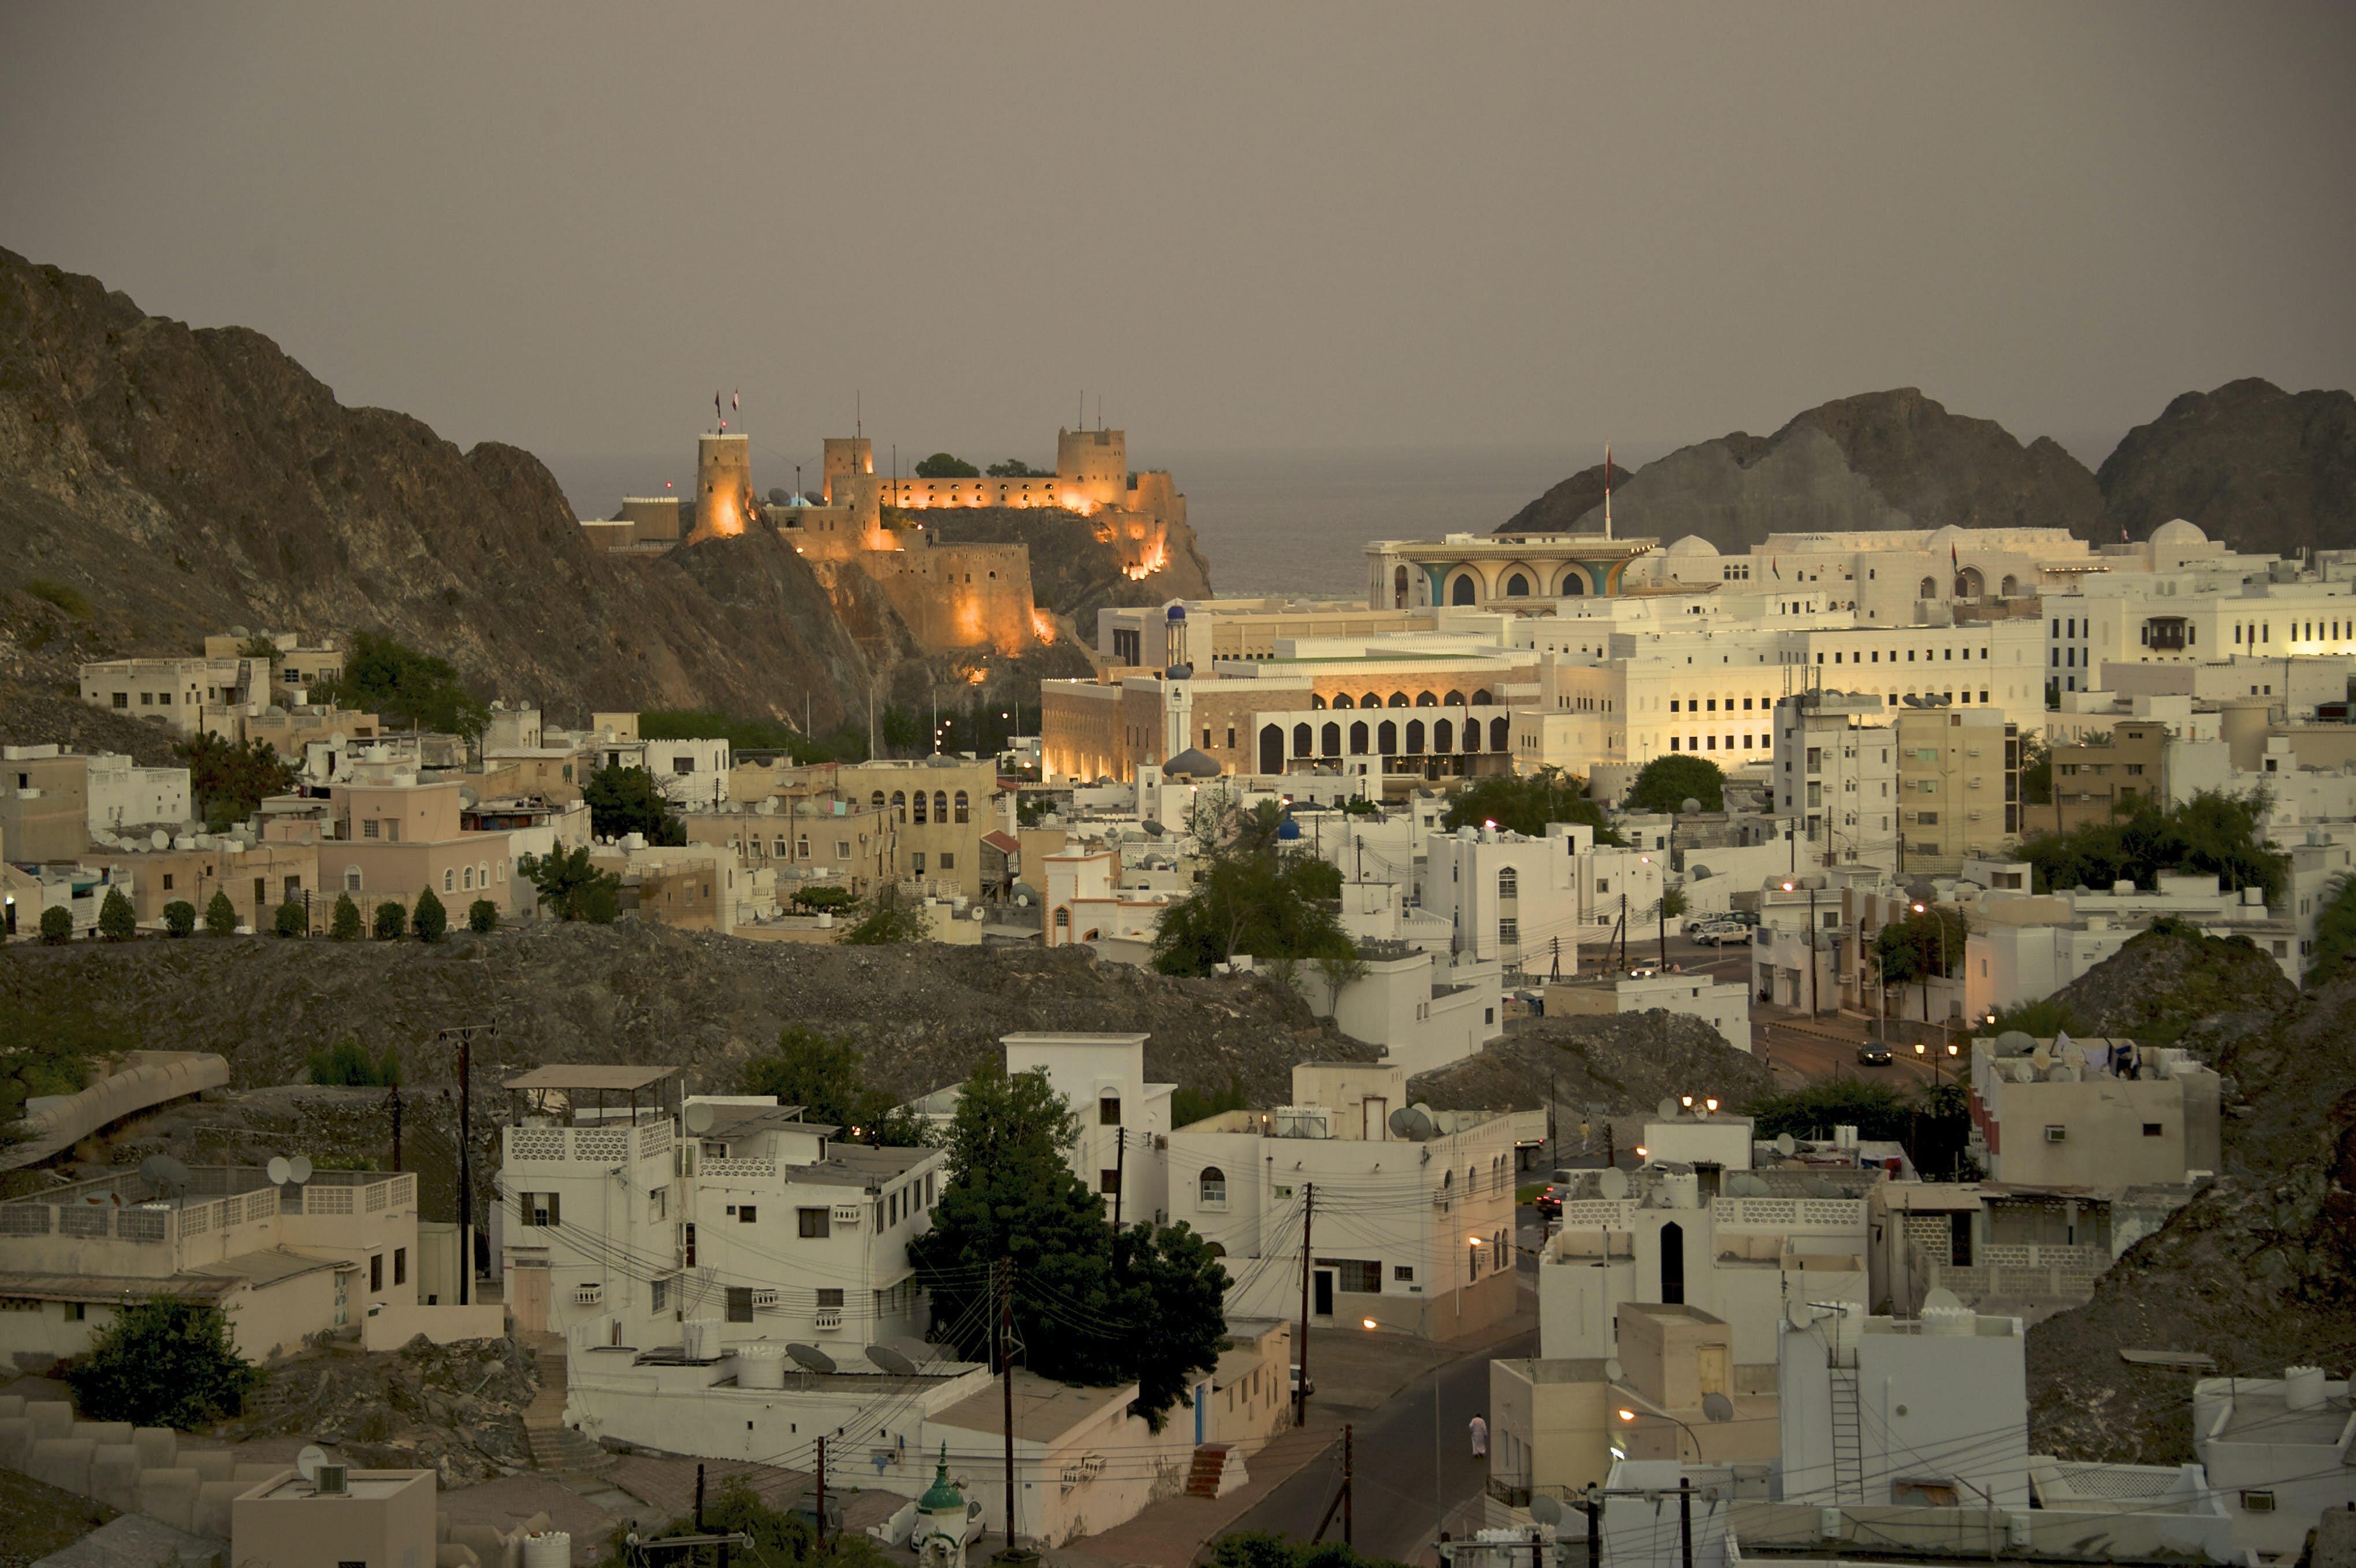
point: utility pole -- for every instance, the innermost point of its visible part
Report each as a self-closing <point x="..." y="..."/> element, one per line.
<point x="1349" y="1488"/>
<point x="1594" y="1529"/>
<point x="1300" y="1382"/>
<point x="821" y="1491"/>
<point x="699" y="1499"/>
<point x="464" y="1035"/>
<point x="1812" y="953"/>
<point x="1120" y="1173"/>
<point x="1006" y="1379"/>
<point x="1684" y="1520"/>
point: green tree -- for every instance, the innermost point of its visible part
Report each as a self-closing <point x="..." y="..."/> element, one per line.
<point x="1667" y="782"/>
<point x="2036" y="770"/>
<point x="888" y="916"/>
<point x="406" y="688"/>
<point x="1875" y="1110"/>
<point x="1264" y="1550"/>
<point x="344" y="925"/>
<point x="820" y="1074"/>
<point x="167" y="1362"/>
<point x="1922" y="946"/>
<point x="1016" y="468"/>
<point x="391" y="921"/>
<point x="229" y="781"/>
<point x="47" y="1048"/>
<point x="902" y="729"/>
<point x="57" y="925"/>
<point x="1672" y="903"/>
<point x="346" y="1065"/>
<point x="431" y="919"/>
<point x="221" y="915"/>
<point x="943" y="466"/>
<point x="742" y="734"/>
<point x="179" y="918"/>
<point x="482" y="915"/>
<point x="1087" y="1307"/>
<point x="2209" y="834"/>
<point x="627" y="800"/>
<point x="1527" y="802"/>
<point x="1188" y="1106"/>
<point x="828" y="900"/>
<point x="572" y="888"/>
<point x="2335" y="930"/>
<point x="117" y="920"/>
<point x="1258" y="895"/>
<point x="292" y="920"/>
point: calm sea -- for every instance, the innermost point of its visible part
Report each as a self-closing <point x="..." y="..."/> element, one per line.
<point x="1269" y="522"/>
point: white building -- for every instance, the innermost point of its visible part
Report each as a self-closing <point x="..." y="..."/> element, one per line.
<point x="1087" y="906"/>
<point x="1124" y="1120"/>
<point x="1423" y="1009"/>
<point x="2024" y="947"/>
<point x="1407" y="1232"/>
<point x="2277" y="1450"/>
<point x="1724" y="1005"/>
<point x="172" y="692"/>
<point x="690" y="772"/>
<point x="1835" y="773"/>
<point x="2092" y="1112"/>
<point x="1879" y="1411"/>
<point x="122" y="795"/>
<point x="1526" y="901"/>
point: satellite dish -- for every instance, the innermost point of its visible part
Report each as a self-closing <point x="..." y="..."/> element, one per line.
<point x="1817" y="1187"/>
<point x="1545" y="1509"/>
<point x="309" y="1460"/>
<point x="1939" y="1298"/>
<point x="1691" y="805"/>
<point x="2023" y="1073"/>
<point x="337" y="740"/>
<point x="890" y="1358"/>
<point x="1668" y="1109"/>
<point x="1401" y="1121"/>
<point x="298" y="1169"/>
<point x="1613" y="1370"/>
<point x="159" y="839"/>
<point x="2062" y="1072"/>
<point x="2015" y="1043"/>
<point x="918" y="1353"/>
<point x="1612" y="1183"/>
<point x="280" y="1171"/>
<point x="810" y="1358"/>
<point x="1420" y="1124"/>
<point x="168" y="1174"/>
<point x="1786" y="1146"/>
<point x="1798" y="1314"/>
<point x="697" y="1118"/>
<point x="1718" y="1407"/>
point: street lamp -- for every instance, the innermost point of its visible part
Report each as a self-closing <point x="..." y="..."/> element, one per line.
<point x="1714" y="1407"/>
<point x="1924" y="909"/>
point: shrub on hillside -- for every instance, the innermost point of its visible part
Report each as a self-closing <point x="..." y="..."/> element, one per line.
<point x="482" y="915"/>
<point x="431" y="919"/>
<point x="179" y="918"/>
<point x="117" y="920"/>
<point x="346" y="1066"/>
<point x="344" y="925"/>
<point x="57" y="925"/>
<point x="392" y="921"/>
<point x="292" y="919"/>
<point x="163" y="1363"/>
<point x="220" y="916"/>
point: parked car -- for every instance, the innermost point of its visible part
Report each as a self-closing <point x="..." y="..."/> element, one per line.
<point x="1549" y="1202"/>
<point x="1873" y="1053"/>
<point x="1695" y="925"/>
<point x="1726" y="936"/>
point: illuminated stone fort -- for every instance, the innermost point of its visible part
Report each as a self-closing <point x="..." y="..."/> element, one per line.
<point x="952" y="596"/>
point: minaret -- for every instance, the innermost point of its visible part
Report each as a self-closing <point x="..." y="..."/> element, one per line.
<point x="939" y="1535"/>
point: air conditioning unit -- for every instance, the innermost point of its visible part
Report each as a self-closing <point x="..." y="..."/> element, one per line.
<point x="848" y="1213"/>
<point x="588" y="1295"/>
<point x="2057" y="1134"/>
<point x="764" y="1298"/>
<point x="830" y="1318"/>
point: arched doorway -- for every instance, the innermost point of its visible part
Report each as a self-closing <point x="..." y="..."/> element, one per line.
<point x="1969" y="584"/>
<point x="1574" y="583"/>
<point x="1271" y="749"/>
<point x="1462" y="590"/>
<point x="1501" y="738"/>
<point x="1399" y="589"/>
<point x="1301" y="739"/>
<point x="1673" y="1264"/>
<point x="1518" y="586"/>
<point x="1928" y="588"/>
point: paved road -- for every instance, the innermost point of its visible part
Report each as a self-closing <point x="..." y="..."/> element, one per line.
<point x="1396" y="1446"/>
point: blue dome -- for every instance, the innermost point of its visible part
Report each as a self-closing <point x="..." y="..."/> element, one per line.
<point x="1288" y="829"/>
<point x="1177" y="612"/>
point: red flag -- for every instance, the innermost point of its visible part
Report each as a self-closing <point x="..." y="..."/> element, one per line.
<point x="1955" y="559"/>
<point x="733" y="403"/>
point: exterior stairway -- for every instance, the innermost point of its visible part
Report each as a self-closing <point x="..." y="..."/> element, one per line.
<point x="1216" y="1471"/>
<point x="556" y="1448"/>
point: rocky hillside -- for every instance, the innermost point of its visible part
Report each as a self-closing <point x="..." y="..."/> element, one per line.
<point x="2259" y="1269"/>
<point x="1882" y="460"/>
<point x="158" y="482"/>
<point x="2265" y="469"/>
<point x="1630" y="1060"/>
<point x="1076" y="583"/>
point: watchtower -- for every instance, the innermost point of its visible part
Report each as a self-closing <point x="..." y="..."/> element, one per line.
<point x="724" y="486"/>
<point x="845" y="455"/>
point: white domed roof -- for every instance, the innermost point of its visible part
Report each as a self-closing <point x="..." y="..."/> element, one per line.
<point x="2179" y="533"/>
<point x="1693" y="545"/>
<point x="1943" y="538"/>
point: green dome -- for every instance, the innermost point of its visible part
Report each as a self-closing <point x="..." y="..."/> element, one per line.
<point x="942" y="1496"/>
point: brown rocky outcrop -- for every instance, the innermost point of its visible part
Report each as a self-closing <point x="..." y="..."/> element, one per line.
<point x="1559" y="510"/>
<point x="2266" y="470"/>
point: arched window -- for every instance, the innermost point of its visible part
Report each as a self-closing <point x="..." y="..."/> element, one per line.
<point x="351" y="880"/>
<point x="1271" y="749"/>
<point x="1444" y="736"/>
<point x="1399" y="589"/>
<point x="1509" y="884"/>
<point x="1415" y="737"/>
<point x="1302" y="739"/>
<point x="900" y="805"/>
<point x="1480" y="699"/>
<point x="1358" y="738"/>
<point x="449" y="880"/>
<point x="1343" y="701"/>
<point x="1453" y="700"/>
<point x="1926" y="589"/>
<point x="1574" y="584"/>
<point x="482" y="876"/>
<point x="1212" y="1187"/>
<point x="1501" y="738"/>
<point x="2010" y="588"/>
<point x="1425" y="700"/>
<point x="920" y="807"/>
<point x="467" y="880"/>
<point x="1399" y="700"/>
<point x="1387" y="741"/>
<point x="940" y="805"/>
<point x="1518" y="586"/>
<point x="1063" y="919"/>
<point x="1471" y="734"/>
<point x="1316" y="702"/>
<point x="876" y="800"/>
<point x="964" y="808"/>
<point x="1461" y="591"/>
<point x="1330" y="739"/>
<point x="1969" y="584"/>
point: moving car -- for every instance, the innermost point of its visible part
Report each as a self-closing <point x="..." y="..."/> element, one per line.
<point x="1873" y="1053"/>
<point x="1549" y="1202"/>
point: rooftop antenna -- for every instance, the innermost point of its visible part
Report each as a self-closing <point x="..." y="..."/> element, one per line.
<point x="857" y="415"/>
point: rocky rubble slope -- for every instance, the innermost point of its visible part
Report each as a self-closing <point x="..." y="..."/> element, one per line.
<point x="456" y="1410"/>
<point x="2258" y="1271"/>
<point x="1630" y="1061"/>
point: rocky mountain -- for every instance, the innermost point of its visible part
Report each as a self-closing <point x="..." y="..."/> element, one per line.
<point x="158" y="482"/>
<point x="1559" y="510"/>
<point x="1882" y="460"/>
<point x="2257" y="1271"/>
<point x="2266" y="471"/>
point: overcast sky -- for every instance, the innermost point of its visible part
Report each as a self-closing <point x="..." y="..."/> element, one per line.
<point x="1245" y="227"/>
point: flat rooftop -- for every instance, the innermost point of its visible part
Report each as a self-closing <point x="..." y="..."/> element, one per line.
<point x="583" y="1076"/>
<point x="2268" y="1418"/>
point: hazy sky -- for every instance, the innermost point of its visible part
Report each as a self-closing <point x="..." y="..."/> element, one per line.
<point x="1248" y="225"/>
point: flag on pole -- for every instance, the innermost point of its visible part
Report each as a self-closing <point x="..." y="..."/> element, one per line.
<point x="1775" y="564"/>
<point x="734" y="399"/>
<point x="1953" y="559"/>
<point x="2123" y="534"/>
<point x="715" y="406"/>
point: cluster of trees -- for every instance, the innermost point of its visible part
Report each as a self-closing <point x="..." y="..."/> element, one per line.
<point x="2211" y="833"/>
<point x="820" y="1074"/>
<point x="49" y="1050"/>
<point x="227" y="782"/>
<point x="946" y="465"/>
<point x="1258" y="893"/>
<point x="1016" y="468"/>
<point x="1092" y="1303"/>
<point x="847" y="744"/>
<point x="780" y="1538"/>
<point x="1926" y="944"/>
<point x="628" y="800"/>
<point x="1666" y="783"/>
<point x="164" y="1362"/>
<point x="887" y="917"/>
<point x="571" y="888"/>
<point x="1932" y="1125"/>
<point x="1527" y="802"/>
<point x="406" y="688"/>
